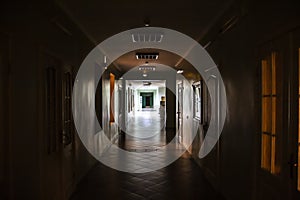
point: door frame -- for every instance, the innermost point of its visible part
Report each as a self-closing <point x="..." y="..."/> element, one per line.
<point x="52" y="163"/>
<point x="294" y="115"/>
<point x="67" y="163"/>
<point x="282" y="185"/>
<point x="50" y="154"/>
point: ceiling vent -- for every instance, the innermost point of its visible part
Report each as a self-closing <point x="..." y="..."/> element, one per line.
<point x="147" y="37"/>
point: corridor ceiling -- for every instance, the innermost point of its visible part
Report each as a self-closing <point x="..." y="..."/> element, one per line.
<point x="138" y="84"/>
<point x="102" y="19"/>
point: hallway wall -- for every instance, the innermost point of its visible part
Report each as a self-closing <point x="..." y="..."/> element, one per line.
<point x="34" y="30"/>
<point x="236" y="53"/>
<point x="109" y="102"/>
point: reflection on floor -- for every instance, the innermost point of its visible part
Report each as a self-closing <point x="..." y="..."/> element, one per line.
<point x="180" y="180"/>
<point x="145" y="131"/>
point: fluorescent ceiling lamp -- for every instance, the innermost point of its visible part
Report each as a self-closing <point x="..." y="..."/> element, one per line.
<point x="147" y="56"/>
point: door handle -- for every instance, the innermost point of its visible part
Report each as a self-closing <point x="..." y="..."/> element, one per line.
<point x="292" y="164"/>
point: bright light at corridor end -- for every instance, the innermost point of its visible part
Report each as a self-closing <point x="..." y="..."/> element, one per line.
<point x="88" y="128"/>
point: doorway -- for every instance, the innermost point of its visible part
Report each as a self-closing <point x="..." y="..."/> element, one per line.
<point x="57" y="153"/>
<point x="294" y="139"/>
<point x="68" y="152"/>
<point x="179" y="111"/>
<point x="147" y="99"/>
<point x="279" y="157"/>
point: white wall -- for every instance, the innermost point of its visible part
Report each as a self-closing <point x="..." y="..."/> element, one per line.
<point x="161" y="92"/>
<point x="234" y="164"/>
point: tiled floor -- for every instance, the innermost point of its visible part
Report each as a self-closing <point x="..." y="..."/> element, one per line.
<point x="182" y="179"/>
<point x="145" y="131"/>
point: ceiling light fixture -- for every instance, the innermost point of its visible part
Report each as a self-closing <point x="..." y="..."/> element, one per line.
<point x="180" y="71"/>
<point x="145" y="75"/>
<point x="147" y="22"/>
<point x="105" y="61"/>
<point x="146" y="56"/>
<point x="147" y="83"/>
<point x="147" y="68"/>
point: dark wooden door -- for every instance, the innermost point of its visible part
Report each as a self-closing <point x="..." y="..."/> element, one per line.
<point x="4" y="116"/>
<point x="68" y="151"/>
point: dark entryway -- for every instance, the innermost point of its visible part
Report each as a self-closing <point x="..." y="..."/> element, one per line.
<point x="147" y="99"/>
